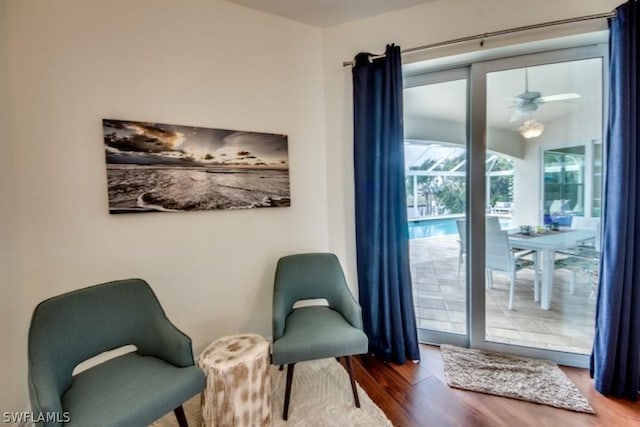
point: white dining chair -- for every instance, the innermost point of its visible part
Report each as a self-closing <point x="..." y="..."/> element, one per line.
<point x="500" y="257"/>
<point x="584" y="258"/>
<point x="585" y="223"/>
<point x="491" y="223"/>
<point x="462" y="241"/>
<point x="580" y="260"/>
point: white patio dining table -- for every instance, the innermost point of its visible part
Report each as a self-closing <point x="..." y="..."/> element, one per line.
<point x="547" y="244"/>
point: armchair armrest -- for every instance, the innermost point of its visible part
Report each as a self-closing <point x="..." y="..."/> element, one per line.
<point x="586" y="253"/>
<point x="349" y="308"/>
<point x="171" y="345"/>
<point x="45" y="396"/>
<point x="281" y="309"/>
<point x="520" y="253"/>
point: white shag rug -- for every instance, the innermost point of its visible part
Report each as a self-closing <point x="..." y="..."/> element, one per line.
<point x="537" y="381"/>
<point x="320" y="396"/>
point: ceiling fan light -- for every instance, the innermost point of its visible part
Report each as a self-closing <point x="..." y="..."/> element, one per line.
<point x="531" y="129"/>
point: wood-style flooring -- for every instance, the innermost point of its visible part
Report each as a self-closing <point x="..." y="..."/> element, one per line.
<point x="417" y="395"/>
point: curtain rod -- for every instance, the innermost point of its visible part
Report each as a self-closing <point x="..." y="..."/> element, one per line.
<point x="495" y="33"/>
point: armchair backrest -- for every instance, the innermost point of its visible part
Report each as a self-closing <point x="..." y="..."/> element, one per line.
<point x="498" y="254"/>
<point x="310" y="276"/>
<point x="581" y="222"/>
<point x="70" y="328"/>
<point x="461" y="225"/>
<point x="491" y="223"/>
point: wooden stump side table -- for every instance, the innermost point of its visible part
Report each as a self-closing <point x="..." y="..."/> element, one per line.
<point x="238" y="383"/>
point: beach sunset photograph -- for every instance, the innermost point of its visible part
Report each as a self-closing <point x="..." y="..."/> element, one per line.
<point x="155" y="167"/>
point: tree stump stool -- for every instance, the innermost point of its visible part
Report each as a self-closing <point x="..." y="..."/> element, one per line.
<point x="238" y="384"/>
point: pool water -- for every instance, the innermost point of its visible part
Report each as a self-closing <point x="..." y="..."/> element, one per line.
<point x="432" y="228"/>
<point x="441" y="227"/>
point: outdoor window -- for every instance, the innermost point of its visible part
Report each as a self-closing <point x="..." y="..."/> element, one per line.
<point x="564" y="184"/>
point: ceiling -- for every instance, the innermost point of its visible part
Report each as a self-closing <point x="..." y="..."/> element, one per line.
<point x="325" y="13"/>
<point x="447" y="101"/>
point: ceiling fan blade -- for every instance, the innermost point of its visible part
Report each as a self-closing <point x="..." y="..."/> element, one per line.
<point x="515" y="116"/>
<point x="558" y="97"/>
<point x="528" y="96"/>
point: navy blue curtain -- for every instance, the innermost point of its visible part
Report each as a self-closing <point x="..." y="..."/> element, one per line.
<point x="615" y="361"/>
<point x="382" y="235"/>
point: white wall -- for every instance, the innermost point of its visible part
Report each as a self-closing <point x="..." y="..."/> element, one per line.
<point x="191" y="62"/>
<point x="580" y="127"/>
<point x="198" y="62"/>
<point x="14" y="310"/>
<point x="428" y="129"/>
<point x="432" y="22"/>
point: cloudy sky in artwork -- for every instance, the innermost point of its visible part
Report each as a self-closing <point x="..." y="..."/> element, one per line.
<point x="127" y="139"/>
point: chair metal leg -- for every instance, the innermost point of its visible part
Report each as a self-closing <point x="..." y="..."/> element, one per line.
<point x="536" y="277"/>
<point x="281" y="367"/>
<point x="592" y="285"/>
<point x="353" y="381"/>
<point x="182" y="419"/>
<point x="511" y="286"/>
<point x="287" y="391"/>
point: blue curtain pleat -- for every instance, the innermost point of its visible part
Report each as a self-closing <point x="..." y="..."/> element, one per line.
<point x="615" y="360"/>
<point x="382" y="235"/>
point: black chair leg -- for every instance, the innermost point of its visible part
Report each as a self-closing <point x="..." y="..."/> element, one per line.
<point x="182" y="419"/>
<point x="281" y="367"/>
<point x="287" y="391"/>
<point x="353" y="381"/>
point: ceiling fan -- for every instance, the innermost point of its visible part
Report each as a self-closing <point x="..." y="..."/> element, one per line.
<point x="528" y="101"/>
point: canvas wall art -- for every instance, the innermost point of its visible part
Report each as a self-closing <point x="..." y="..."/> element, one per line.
<point x="155" y="167"/>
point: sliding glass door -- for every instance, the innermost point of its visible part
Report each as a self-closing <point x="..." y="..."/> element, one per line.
<point x="546" y="110"/>
<point x="504" y="193"/>
<point x="436" y="141"/>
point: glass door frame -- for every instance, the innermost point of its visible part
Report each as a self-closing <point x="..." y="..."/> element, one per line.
<point x="476" y="194"/>
<point x="430" y="78"/>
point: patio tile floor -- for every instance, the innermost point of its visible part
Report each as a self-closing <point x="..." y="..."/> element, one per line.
<point x="439" y="298"/>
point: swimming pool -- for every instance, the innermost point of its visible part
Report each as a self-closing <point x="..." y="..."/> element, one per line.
<point x="432" y="227"/>
<point x="441" y="227"/>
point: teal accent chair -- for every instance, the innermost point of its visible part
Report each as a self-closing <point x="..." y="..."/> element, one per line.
<point x="134" y="389"/>
<point x="314" y="332"/>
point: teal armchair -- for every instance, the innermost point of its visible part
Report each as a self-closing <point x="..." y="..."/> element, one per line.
<point x="134" y="389"/>
<point x="314" y="332"/>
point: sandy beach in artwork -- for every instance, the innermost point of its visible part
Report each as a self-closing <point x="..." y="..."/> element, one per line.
<point x="135" y="188"/>
<point x="170" y="168"/>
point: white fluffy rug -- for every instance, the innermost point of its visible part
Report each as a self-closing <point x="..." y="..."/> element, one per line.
<point x="320" y="396"/>
<point x="533" y="380"/>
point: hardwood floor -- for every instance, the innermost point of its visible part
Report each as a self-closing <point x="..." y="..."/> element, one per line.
<point x="417" y="395"/>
